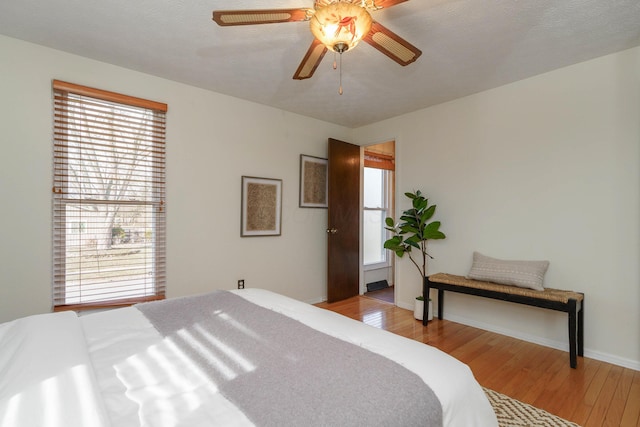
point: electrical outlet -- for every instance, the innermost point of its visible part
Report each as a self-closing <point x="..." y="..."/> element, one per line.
<point x="241" y="284"/>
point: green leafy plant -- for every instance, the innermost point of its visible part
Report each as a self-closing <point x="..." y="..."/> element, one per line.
<point x="413" y="231"/>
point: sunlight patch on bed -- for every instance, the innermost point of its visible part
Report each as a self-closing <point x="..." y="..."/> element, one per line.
<point x="223" y="368"/>
<point x="168" y="367"/>
<point x="245" y="364"/>
<point x="11" y="411"/>
<point x="50" y="396"/>
<point x="140" y="366"/>
<point x="242" y="328"/>
<point x="81" y="375"/>
<point x="169" y="388"/>
<point x="149" y="378"/>
<point x="53" y="396"/>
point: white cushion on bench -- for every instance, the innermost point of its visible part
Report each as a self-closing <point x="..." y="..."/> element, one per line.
<point x="524" y="274"/>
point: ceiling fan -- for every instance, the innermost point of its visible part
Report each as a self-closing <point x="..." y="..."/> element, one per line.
<point x="336" y="24"/>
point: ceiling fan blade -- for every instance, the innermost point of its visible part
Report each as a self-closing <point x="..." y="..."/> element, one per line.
<point x="368" y="4"/>
<point x="311" y="60"/>
<point x="384" y="4"/>
<point x="391" y="44"/>
<point x="266" y="16"/>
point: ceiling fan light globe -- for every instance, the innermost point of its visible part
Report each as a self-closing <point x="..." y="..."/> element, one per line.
<point x="340" y="24"/>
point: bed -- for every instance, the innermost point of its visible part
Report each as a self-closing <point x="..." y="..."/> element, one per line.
<point x="245" y="357"/>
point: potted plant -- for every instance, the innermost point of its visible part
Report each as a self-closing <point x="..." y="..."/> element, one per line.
<point x="418" y="309"/>
<point x="412" y="233"/>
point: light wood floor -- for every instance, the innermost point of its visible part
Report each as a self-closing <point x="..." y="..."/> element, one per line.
<point x="594" y="394"/>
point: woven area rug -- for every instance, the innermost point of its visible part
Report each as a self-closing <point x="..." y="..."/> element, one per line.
<point x="513" y="413"/>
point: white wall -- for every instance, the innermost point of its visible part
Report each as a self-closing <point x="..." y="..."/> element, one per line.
<point x="212" y="140"/>
<point x="545" y="168"/>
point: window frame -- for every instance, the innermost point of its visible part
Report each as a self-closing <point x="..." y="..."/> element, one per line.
<point x="63" y="196"/>
<point x="386" y="202"/>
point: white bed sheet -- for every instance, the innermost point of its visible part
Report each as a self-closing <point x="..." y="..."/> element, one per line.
<point x="46" y="378"/>
<point x="145" y="382"/>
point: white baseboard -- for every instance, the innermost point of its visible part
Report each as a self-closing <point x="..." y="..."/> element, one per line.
<point x="564" y="346"/>
<point x="405" y="306"/>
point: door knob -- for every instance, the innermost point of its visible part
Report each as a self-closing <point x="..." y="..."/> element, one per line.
<point x="332" y="230"/>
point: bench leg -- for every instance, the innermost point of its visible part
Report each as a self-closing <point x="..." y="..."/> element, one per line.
<point x="573" y="334"/>
<point x="440" y="303"/>
<point x="581" y="329"/>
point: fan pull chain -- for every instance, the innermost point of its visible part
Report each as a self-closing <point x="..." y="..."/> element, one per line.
<point x="340" y="89"/>
<point x="335" y="66"/>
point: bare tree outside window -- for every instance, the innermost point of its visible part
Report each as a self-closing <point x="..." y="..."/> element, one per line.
<point x="114" y="165"/>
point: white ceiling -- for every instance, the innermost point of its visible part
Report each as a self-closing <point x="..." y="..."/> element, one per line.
<point x="468" y="46"/>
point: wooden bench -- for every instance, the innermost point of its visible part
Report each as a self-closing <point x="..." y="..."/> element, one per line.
<point x="554" y="299"/>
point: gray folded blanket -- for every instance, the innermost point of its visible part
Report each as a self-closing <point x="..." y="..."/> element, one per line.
<point x="280" y="372"/>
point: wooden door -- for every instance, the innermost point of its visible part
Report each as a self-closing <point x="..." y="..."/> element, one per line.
<point x="343" y="230"/>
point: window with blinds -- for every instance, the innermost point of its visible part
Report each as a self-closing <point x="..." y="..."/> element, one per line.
<point x="378" y="194"/>
<point x="376" y="208"/>
<point x="108" y="198"/>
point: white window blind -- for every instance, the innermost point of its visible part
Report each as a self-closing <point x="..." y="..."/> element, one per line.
<point x="108" y="198"/>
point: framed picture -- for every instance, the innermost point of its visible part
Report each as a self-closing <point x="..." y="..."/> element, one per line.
<point x="313" y="182"/>
<point x="261" y="207"/>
